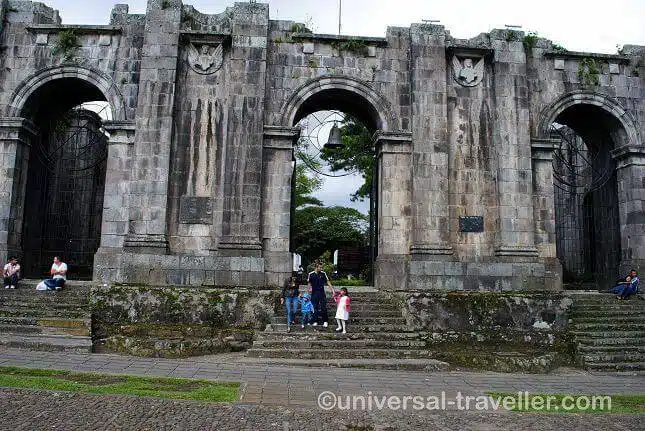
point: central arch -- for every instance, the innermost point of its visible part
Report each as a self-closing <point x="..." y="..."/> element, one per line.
<point x="358" y="100"/>
<point x="322" y="93"/>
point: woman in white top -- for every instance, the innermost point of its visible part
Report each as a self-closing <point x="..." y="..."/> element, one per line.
<point x="58" y="272"/>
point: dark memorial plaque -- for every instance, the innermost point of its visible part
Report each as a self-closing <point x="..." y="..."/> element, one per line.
<point x="471" y="224"/>
<point x="196" y="210"/>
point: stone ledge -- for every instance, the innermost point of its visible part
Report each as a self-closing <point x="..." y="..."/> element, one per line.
<point x="580" y="55"/>
<point x="80" y="29"/>
<point x="321" y="37"/>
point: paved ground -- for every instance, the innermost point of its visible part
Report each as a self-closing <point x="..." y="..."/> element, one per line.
<point x="286" y="398"/>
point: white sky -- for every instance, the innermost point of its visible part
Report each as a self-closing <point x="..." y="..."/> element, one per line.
<point x="577" y="25"/>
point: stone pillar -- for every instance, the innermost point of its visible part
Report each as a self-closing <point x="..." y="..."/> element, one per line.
<point x="630" y="171"/>
<point x="430" y="206"/>
<point x="147" y="231"/>
<point x="544" y="211"/>
<point x="16" y="135"/>
<point x="511" y="135"/>
<point x="277" y="173"/>
<point x="543" y="196"/>
<point x="394" y="196"/>
<point x="116" y="201"/>
<point x="241" y="206"/>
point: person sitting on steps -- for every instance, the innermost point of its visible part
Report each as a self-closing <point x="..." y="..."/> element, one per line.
<point x="628" y="287"/>
<point x="58" y="272"/>
<point x="11" y="273"/>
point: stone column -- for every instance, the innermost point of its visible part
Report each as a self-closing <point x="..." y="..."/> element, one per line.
<point x="430" y="205"/>
<point x="630" y="171"/>
<point x="543" y="196"/>
<point x="394" y="196"/>
<point x="16" y="135"/>
<point x="511" y="135"/>
<point x="242" y="163"/>
<point x="116" y="201"/>
<point x="147" y="231"/>
<point x="277" y="173"/>
<point x="544" y="211"/>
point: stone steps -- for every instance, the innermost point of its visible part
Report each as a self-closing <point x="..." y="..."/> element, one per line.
<point x="359" y="313"/>
<point x="381" y="364"/>
<point x="613" y="357"/>
<point x="43" y="312"/>
<point x="47" y="330"/>
<point x="364" y="321"/>
<point x="617" y="366"/>
<point x="621" y="348"/>
<point x="48" y="320"/>
<point x="311" y="334"/>
<point x="47" y="342"/>
<point x="609" y="334"/>
<point x="358" y="328"/>
<point x="340" y="353"/>
<point x="628" y="318"/>
<point x="344" y="343"/>
<point x="609" y="341"/>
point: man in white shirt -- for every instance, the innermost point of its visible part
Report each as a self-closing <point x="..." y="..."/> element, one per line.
<point x="58" y="272"/>
<point x="11" y="273"/>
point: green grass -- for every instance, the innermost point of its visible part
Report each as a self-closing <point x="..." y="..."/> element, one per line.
<point x="619" y="403"/>
<point x="108" y="384"/>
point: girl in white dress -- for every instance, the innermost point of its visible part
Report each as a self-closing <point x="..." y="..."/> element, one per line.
<point x="342" y="310"/>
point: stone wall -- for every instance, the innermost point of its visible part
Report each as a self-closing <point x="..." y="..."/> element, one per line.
<point x="530" y="328"/>
<point x="172" y="321"/>
<point x="204" y="108"/>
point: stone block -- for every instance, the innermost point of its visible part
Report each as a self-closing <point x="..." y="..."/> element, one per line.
<point x="308" y="48"/>
<point x="42" y="39"/>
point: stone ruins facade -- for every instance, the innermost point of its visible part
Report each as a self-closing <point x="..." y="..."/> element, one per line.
<point x="195" y="186"/>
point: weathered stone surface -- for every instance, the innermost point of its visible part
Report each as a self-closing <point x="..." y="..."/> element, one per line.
<point x="203" y="108"/>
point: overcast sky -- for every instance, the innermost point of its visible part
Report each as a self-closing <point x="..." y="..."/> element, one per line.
<point x="575" y="24"/>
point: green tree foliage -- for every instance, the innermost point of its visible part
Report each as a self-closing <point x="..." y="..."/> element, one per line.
<point x="356" y="154"/>
<point x="319" y="229"/>
<point x="307" y="181"/>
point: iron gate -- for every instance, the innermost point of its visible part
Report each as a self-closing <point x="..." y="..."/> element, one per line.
<point x="586" y="211"/>
<point x="64" y="202"/>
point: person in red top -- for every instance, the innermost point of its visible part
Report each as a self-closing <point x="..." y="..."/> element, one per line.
<point x="342" y="310"/>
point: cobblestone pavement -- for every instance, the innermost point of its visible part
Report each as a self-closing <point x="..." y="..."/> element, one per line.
<point x="285" y="398"/>
<point x="42" y="410"/>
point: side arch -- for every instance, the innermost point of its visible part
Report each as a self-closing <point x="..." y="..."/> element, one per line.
<point x="382" y="112"/>
<point x="584" y="97"/>
<point x="102" y="82"/>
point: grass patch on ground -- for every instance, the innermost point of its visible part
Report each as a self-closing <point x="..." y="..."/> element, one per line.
<point x="108" y="384"/>
<point x="570" y="403"/>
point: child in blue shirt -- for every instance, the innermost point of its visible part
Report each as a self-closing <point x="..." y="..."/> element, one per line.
<point x="307" y="309"/>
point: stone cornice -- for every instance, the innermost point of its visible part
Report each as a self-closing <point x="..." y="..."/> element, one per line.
<point x="580" y="55"/>
<point x="320" y="37"/>
<point x="78" y="29"/>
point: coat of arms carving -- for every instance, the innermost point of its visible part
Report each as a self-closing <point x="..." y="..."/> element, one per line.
<point x="205" y="60"/>
<point x="466" y="73"/>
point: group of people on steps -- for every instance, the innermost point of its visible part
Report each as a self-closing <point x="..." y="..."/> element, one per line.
<point x="313" y="304"/>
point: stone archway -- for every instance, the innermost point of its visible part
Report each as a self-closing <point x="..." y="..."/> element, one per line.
<point x="97" y="79"/>
<point x="392" y="195"/>
<point x="588" y="138"/>
<point x="60" y="168"/>
<point x="378" y="107"/>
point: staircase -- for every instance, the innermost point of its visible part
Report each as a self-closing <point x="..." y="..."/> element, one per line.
<point x="49" y="320"/>
<point x="377" y="337"/>
<point x="609" y="334"/>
